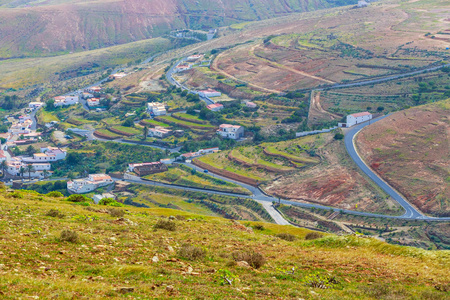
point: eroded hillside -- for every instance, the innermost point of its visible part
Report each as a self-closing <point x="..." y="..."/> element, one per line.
<point x="30" y="28"/>
<point x="410" y="149"/>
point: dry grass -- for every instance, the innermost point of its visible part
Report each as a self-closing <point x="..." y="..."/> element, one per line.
<point x="115" y="254"/>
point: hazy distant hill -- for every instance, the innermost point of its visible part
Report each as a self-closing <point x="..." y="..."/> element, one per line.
<point x="42" y="27"/>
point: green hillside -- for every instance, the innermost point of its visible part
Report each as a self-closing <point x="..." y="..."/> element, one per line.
<point x="52" y="248"/>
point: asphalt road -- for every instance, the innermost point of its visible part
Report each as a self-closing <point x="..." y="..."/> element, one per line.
<point x="410" y="211"/>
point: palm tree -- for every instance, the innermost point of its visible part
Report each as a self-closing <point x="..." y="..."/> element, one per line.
<point x="45" y="172"/>
<point x="29" y="169"/>
<point x="21" y="171"/>
<point x="4" y="165"/>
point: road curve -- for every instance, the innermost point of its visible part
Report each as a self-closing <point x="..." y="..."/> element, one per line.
<point x="410" y="211"/>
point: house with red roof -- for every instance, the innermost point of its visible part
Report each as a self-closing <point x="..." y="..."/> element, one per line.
<point x="215" y="107"/>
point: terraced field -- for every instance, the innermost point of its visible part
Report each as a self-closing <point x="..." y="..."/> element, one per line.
<point x="182" y="175"/>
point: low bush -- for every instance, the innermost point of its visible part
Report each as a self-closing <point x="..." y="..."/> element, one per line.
<point x="287" y="236"/>
<point x="258" y="227"/>
<point x="55" y="213"/>
<point x="115" y="212"/>
<point x="191" y="252"/>
<point x="166" y="225"/>
<point x="254" y="259"/>
<point x="16" y="195"/>
<point x="69" y="236"/>
<point x="78" y="198"/>
<point x="55" y="194"/>
<point x="313" y="236"/>
<point x="110" y="202"/>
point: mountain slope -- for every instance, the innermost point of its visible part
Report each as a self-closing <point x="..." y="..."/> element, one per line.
<point x="410" y="150"/>
<point x="103" y="255"/>
<point x="54" y="26"/>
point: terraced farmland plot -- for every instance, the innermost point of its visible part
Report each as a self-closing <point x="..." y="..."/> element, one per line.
<point x="182" y="175"/>
<point x="172" y="121"/>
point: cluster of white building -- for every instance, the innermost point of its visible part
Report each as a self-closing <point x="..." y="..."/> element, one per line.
<point x="39" y="162"/>
<point x="89" y="184"/>
<point x="65" y="100"/>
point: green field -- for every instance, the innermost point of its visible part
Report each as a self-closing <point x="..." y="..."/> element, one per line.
<point x="171" y="120"/>
<point x="182" y="175"/>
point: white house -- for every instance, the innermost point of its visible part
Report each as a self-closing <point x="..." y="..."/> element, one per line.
<point x="49" y="154"/>
<point x="357" y="118"/>
<point x="23" y="118"/>
<point x="194" y="57"/>
<point x="208" y="150"/>
<point x="209" y="93"/>
<point x="215" y="107"/>
<point x="65" y="100"/>
<point x="182" y="67"/>
<point x="86" y="185"/>
<point x="35" y="105"/>
<point x="250" y="104"/>
<point x="159" y="132"/>
<point x="86" y="95"/>
<point x="156" y="108"/>
<point x="93" y="102"/>
<point x="229" y="131"/>
<point x="93" y="89"/>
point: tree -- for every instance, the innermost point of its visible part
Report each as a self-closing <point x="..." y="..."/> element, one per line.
<point x="29" y="169"/>
<point x="4" y="165"/>
<point x="21" y="171"/>
<point x="45" y="172"/>
<point x="145" y="132"/>
<point x="128" y="122"/>
<point x="30" y="150"/>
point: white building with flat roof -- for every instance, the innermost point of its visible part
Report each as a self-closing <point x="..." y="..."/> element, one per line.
<point x="229" y="131"/>
<point x="86" y="185"/>
<point x="209" y="93"/>
<point x="357" y="118"/>
<point x="65" y="100"/>
<point x="156" y="108"/>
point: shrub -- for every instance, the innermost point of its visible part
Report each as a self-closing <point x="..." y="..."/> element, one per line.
<point x="55" y="213"/>
<point x="313" y="236"/>
<point x="69" y="236"/>
<point x="287" y="236"/>
<point x="259" y="227"/>
<point x="191" y="252"/>
<point x="78" y="198"/>
<point x="55" y="194"/>
<point x="254" y="259"/>
<point x="115" y="212"/>
<point x="110" y="202"/>
<point x="166" y="225"/>
<point x="17" y="195"/>
<point x="338" y="136"/>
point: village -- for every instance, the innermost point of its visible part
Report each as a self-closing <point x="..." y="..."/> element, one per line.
<point x="162" y="124"/>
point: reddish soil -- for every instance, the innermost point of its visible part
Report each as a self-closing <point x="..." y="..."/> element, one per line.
<point x="335" y="181"/>
<point x="411" y="151"/>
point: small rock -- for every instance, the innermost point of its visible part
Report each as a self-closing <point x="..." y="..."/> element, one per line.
<point x="243" y="264"/>
<point x="170" y="288"/>
<point x="155" y="259"/>
<point x="173" y="259"/>
<point x="171" y="218"/>
<point x="170" y="249"/>
<point x="189" y="271"/>
<point x="125" y="289"/>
